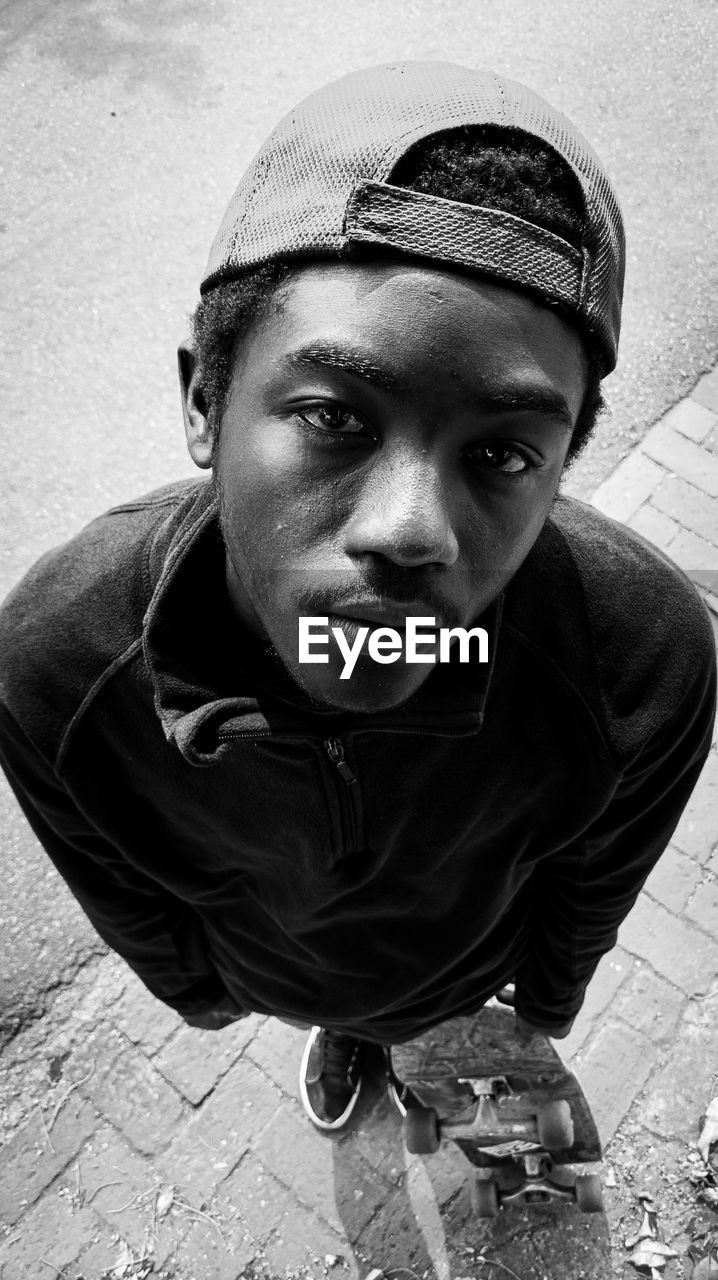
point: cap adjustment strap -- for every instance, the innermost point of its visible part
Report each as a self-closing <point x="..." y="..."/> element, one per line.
<point x="488" y="240"/>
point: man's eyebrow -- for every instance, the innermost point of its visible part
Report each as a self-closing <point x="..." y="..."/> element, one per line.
<point x="347" y="359"/>
<point x="534" y="399"/>
<point x="530" y="399"/>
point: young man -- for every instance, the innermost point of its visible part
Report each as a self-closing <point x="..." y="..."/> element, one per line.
<point x="406" y="315"/>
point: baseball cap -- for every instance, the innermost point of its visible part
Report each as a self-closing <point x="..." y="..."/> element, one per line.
<point x="321" y="187"/>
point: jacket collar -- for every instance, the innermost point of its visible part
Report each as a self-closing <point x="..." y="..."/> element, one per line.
<point x="212" y="687"/>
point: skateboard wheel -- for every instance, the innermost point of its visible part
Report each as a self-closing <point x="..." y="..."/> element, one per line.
<point x="555" y="1126"/>
<point x="421" y="1131"/>
<point x="485" y="1198"/>
<point x="589" y="1193"/>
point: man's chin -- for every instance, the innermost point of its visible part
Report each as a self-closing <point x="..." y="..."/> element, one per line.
<point x="364" y="696"/>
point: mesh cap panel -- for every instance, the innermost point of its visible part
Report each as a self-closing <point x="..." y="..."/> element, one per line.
<point x="298" y="198"/>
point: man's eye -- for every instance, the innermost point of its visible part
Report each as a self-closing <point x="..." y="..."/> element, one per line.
<point x="333" y="420"/>
<point x="500" y="457"/>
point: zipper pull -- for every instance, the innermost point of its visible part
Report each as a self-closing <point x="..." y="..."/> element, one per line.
<point x="335" y="751"/>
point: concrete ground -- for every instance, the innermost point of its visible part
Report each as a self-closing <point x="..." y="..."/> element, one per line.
<point x="136" y="1146"/>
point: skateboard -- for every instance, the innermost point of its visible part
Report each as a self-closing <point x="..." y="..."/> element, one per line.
<point x="513" y="1108"/>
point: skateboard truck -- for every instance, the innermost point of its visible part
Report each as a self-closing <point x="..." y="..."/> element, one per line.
<point x="541" y="1183"/>
<point x="517" y="1142"/>
<point x="496" y="1120"/>
<point x="513" y="1108"/>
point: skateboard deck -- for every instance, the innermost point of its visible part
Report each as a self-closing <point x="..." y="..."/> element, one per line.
<point x="514" y="1109"/>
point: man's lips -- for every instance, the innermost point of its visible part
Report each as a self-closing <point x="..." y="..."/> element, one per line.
<point x="385" y="613"/>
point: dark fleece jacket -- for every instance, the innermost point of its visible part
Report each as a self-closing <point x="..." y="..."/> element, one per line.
<point x="376" y="874"/>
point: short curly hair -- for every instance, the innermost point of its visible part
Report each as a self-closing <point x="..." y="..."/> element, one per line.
<point x="497" y="168"/>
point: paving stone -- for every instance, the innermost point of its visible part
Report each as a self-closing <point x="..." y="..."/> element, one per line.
<point x="706" y="392"/>
<point x="697" y="831"/>
<point x="129" y="1092"/>
<point x="92" y="999"/>
<point x="277" y="1048"/>
<point x="292" y="1234"/>
<point x="688" y="506"/>
<point x="375" y="1136"/>
<point x="654" y="525"/>
<point x="697" y="558"/>
<point x="145" y="1021"/>
<point x="710" y="597"/>
<point x="432" y="1181"/>
<point x="32" y="1160"/>
<point x="612" y="1072"/>
<point x="295" y="1246"/>
<point x="261" y="1200"/>
<point x="52" y="1235"/>
<point x="649" y="1004"/>
<point x="630" y="485"/>
<point x="195" y="1061"/>
<point x="711" y="441"/>
<point x="681" y="456"/>
<point x="43" y="1059"/>
<point x="120" y="1186"/>
<point x="92" y="1048"/>
<point x="225" y="1126"/>
<point x="207" y="1253"/>
<point x="102" y="1256"/>
<point x="703" y="906"/>
<point x="691" y="418"/>
<point x="647" y="1165"/>
<point x="161" y="1244"/>
<point x="707" y="582"/>
<point x="324" y="1175"/>
<point x="613" y="971"/>
<point x="676" y="949"/>
<point x="394" y="1239"/>
<point x="673" y="879"/>
<point x="679" y="1093"/>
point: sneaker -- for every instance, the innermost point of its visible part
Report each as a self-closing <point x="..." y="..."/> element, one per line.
<point x="330" y="1077"/>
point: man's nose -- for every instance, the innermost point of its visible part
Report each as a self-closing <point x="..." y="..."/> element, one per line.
<point x="403" y="513"/>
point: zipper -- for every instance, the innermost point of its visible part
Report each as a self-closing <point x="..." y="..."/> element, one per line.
<point x="234" y="735"/>
<point x="348" y="792"/>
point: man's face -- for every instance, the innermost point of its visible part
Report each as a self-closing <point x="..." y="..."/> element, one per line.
<point x="391" y="446"/>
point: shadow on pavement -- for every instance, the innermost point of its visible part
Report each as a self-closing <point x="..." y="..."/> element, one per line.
<point x="137" y="42"/>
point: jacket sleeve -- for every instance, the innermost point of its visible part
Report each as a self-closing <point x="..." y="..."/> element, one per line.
<point x="582" y="893"/>
<point x="159" y="936"/>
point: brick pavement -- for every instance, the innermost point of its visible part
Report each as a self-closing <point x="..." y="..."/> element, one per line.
<point x="137" y="1146"/>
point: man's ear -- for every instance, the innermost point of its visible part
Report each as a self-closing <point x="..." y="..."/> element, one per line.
<point x="199" y="428"/>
